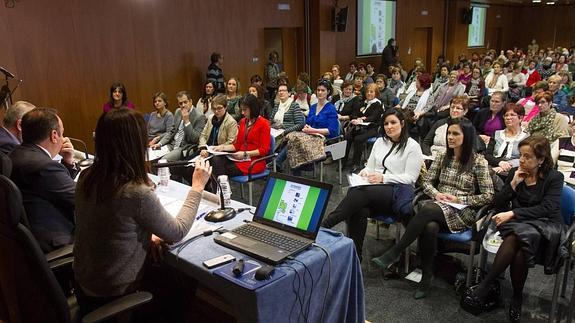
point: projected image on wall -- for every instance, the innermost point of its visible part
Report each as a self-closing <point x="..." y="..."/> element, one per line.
<point x="375" y="25"/>
<point x="476" y="34"/>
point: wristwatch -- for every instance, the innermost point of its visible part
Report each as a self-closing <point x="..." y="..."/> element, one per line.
<point x="245" y="154"/>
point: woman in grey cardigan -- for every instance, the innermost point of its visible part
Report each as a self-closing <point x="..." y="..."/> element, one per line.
<point x="161" y="122"/>
<point x="286" y="114"/>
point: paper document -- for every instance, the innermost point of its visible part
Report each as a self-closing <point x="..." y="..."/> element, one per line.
<point x="356" y="180"/>
<point x="364" y="123"/>
<point x="276" y="132"/>
<point x="238" y="160"/>
<point x="217" y="153"/>
<point x="154" y="154"/>
<point x="457" y="205"/>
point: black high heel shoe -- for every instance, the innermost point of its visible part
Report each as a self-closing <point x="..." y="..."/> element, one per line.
<point x="515" y="312"/>
<point x="473" y="304"/>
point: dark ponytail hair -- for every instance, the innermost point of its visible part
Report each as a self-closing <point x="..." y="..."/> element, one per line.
<point x="467" y="156"/>
<point x="404" y="136"/>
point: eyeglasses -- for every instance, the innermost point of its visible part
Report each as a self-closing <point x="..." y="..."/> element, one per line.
<point x="217" y="108"/>
<point x="542" y="101"/>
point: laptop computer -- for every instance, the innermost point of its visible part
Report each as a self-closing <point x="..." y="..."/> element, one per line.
<point x="286" y="221"/>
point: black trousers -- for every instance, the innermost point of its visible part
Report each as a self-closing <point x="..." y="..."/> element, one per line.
<point x="359" y="204"/>
<point x="357" y="140"/>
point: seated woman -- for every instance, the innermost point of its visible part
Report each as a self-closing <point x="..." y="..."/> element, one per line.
<point x="475" y="87"/>
<point x="464" y="75"/>
<point x="161" y="123"/>
<point x="322" y="119"/>
<point x="496" y="81"/>
<point x="258" y="92"/>
<point x="117" y="212"/>
<point x="559" y="97"/>
<point x="441" y="78"/>
<point x="516" y="81"/>
<point x="502" y="153"/>
<point x="435" y="141"/>
<point x="220" y="129"/>
<point x="384" y="93"/>
<point x="487" y="121"/>
<point x="234" y="98"/>
<point x="118" y="98"/>
<point x="528" y="102"/>
<point x="286" y="114"/>
<point x="252" y="142"/>
<point x="302" y="97"/>
<point x="457" y="176"/>
<point x="563" y="152"/>
<point x="442" y="97"/>
<point x="395" y="159"/>
<point x="348" y="104"/>
<point x="363" y="125"/>
<point x="529" y="221"/>
<point x="395" y="84"/>
<point x="204" y="104"/>
<point x="548" y="123"/>
<point x="420" y="101"/>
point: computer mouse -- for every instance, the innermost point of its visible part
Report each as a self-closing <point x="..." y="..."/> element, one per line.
<point x="220" y="215"/>
<point x="264" y="272"/>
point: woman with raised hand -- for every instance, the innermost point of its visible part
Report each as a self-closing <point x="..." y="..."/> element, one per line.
<point x="117" y="212"/>
<point x="457" y="176"/>
<point x="529" y="220"/>
<point x="395" y="159"/>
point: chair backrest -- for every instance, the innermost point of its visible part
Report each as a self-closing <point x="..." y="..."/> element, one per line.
<point x="568" y="204"/>
<point x="29" y="289"/>
<point x="5" y="165"/>
<point x="272" y="145"/>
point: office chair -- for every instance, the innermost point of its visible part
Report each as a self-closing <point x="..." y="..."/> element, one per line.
<point x="30" y="291"/>
<point x="5" y="165"/>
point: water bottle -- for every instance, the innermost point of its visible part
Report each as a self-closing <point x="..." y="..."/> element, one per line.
<point x="164" y="175"/>
<point x="226" y="189"/>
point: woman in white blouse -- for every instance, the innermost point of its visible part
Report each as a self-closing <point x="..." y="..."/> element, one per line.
<point x="496" y="81"/>
<point x="395" y="162"/>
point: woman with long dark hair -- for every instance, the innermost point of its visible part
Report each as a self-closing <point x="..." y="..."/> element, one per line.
<point x="118" y="98"/>
<point x="457" y="176"/>
<point x="529" y="221"/>
<point x="117" y="212"/>
<point x="204" y="104"/>
<point x="395" y="159"/>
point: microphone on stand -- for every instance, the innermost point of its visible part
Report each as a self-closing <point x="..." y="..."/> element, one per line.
<point x="86" y="161"/>
<point x="218" y="215"/>
<point x="7" y="73"/>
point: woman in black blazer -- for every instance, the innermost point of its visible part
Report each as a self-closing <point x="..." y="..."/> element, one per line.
<point x="530" y="223"/>
<point x="363" y="125"/>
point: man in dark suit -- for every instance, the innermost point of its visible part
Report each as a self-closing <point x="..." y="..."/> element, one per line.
<point x="47" y="186"/>
<point x="11" y="132"/>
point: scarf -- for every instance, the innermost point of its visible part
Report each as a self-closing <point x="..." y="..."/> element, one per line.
<point x="493" y="81"/>
<point x="367" y="104"/>
<point x="421" y="103"/>
<point x="543" y="125"/>
<point x="282" y="108"/>
<point x="341" y="102"/>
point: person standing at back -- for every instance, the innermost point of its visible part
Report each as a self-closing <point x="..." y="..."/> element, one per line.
<point x="47" y="186"/>
<point x="215" y="73"/>
<point x="271" y="73"/>
<point x="388" y="57"/>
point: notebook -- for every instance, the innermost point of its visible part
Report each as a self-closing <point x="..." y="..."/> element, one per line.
<point x="286" y="220"/>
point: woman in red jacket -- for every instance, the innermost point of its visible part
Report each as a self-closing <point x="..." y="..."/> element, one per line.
<point x="252" y="142"/>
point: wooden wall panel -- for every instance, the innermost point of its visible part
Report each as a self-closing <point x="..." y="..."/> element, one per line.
<point x="69" y="52"/>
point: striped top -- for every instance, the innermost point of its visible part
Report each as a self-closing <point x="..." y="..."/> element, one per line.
<point x="566" y="159"/>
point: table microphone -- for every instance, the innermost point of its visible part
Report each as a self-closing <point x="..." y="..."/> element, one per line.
<point x="223" y="213"/>
<point x="86" y="161"/>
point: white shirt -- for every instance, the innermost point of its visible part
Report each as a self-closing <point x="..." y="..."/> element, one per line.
<point x="401" y="167"/>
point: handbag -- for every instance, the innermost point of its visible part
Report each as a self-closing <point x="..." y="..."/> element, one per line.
<point x="303" y="148"/>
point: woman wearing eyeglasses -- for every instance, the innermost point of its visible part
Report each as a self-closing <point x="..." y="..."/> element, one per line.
<point x="221" y="128"/>
<point x="548" y="123"/>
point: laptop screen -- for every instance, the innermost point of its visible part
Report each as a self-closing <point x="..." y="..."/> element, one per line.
<point x="293" y="203"/>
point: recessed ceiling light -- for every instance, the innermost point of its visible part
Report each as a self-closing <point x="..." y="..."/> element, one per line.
<point x="536" y="1"/>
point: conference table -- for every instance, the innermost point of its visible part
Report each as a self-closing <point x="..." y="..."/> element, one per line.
<point x="288" y="298"/>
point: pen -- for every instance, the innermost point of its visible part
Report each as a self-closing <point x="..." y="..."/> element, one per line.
<point x="201" y="215"/>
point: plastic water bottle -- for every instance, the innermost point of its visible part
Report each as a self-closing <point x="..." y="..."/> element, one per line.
<point x="226" y="189"/>
<point x="164" y="175"/>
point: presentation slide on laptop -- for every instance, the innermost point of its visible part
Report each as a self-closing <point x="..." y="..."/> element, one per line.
<point x="293" y="204"/>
